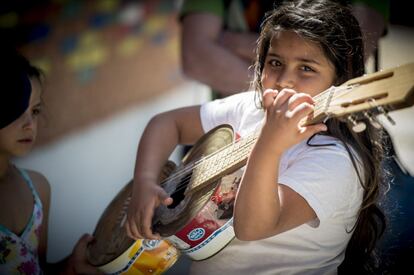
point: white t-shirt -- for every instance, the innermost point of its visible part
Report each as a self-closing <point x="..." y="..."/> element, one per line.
<point x="324" y="176"/>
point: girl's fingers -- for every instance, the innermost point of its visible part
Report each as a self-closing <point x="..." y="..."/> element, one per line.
<point x="283" y="97"/>
<point x="269" y="97"/>
<point x="302" y="110"/>
<point x="164" y="198"/>
<point x="146" y="224"/>
<point x="298" y="98"/>
<point x="132" y="229"/>
<point x="128" y="230"/>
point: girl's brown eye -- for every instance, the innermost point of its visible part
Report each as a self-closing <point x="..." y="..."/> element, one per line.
<point x="36" y="112"/>
<point x="274" y="63"/>
<point x="307" y="69"/>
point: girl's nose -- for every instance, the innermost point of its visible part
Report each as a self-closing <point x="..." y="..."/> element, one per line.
<point x="28" y="121"/>
<point x="285" y="80"/>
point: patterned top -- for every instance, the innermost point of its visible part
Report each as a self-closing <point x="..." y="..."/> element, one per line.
<point x="19" y="254"/>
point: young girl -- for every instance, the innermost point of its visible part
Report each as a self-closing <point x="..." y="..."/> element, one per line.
<point x="25" y="194"/>
<point x="308" y="194"/>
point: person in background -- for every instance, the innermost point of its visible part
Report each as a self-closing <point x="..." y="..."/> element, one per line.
<point x="25" y="194"/>
<point x="308" y="198"/>
<point x="219" y="38"/>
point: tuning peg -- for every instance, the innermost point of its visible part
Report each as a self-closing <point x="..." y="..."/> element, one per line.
<point x="389" y="118"/>
<point x="357" y="127"/>
<point x="384" y="112"/>
<point x="373" y="120"/>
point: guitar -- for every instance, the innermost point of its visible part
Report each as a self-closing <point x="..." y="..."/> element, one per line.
<point x="203" y="186"/>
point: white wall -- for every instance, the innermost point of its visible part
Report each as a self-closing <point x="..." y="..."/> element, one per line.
<point x="397" y="48"/>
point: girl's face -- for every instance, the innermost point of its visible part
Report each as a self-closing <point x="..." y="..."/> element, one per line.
<point x="295" y="63"/>
<point x="17" y="138"/>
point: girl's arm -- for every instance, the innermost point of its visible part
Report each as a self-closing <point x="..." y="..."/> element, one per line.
<point x="202" y="38"/>
<point x="160" y="137"/>
<point x="241" y="43"/>
<point x="263" y="207"/>
<point x="42" y="187"/>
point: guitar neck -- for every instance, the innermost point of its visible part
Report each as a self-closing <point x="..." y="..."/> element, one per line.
<point x="225" y="161"/>
<point x="377" y="93"/>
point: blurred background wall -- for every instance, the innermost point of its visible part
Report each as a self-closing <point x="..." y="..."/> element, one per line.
<point x="100" y="57"/>
<point x="110" y="66"/>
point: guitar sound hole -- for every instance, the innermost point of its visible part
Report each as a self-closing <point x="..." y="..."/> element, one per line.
<point x="178" y="194"/>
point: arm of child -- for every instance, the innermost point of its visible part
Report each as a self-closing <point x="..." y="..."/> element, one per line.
<point x="241" y="43"/>
<point x="42" y="187"/>
<point x="264" y="208"/>
<point x="160" y="137"/>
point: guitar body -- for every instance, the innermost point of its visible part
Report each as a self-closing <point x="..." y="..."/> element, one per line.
<point x="199" y="224"/>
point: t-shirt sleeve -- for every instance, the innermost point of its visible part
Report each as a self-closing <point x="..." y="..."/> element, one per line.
<point x="324" y="176"/>
<point x="215" y="7"/>
<point x="227" y="110"/>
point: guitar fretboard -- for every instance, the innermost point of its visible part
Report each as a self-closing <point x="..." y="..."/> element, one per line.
<point x="222" y="162"/>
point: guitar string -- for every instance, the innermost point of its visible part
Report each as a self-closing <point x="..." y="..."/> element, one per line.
<point x="188" y="176"/>
<point x="197" y="163"/>
<point x="340" y="93"/>
<point x="337" y="92"/>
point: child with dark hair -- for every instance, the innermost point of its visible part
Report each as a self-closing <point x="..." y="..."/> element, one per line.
<point x="308" y="196"/>
<point x="25" y="194"/>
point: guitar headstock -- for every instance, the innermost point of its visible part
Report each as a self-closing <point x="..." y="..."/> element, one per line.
<point x="367" y="96"/>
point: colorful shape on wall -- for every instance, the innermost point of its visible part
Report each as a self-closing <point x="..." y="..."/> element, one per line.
<point x="9" y="20"/>
<point x="129" y="46"/>
<point x="44" y="63"/>
<point x="38" y="32"/>
<point x="155" y="24"/>
<point x="99" y="56"/>
<point x="132" y="14"/>
<point x="68" y="44"/>
<point x="107" y="5"/>
<point x="100" y="20"/>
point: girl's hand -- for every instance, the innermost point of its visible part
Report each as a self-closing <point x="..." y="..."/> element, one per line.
<point x="284" y="112"/>
<point x="77" y="262"/>
<point x="146" y="196"/>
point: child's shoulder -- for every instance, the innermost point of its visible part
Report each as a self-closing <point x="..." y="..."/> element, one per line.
<point x="37" y="177"/>
<point x="40" y="183"/>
